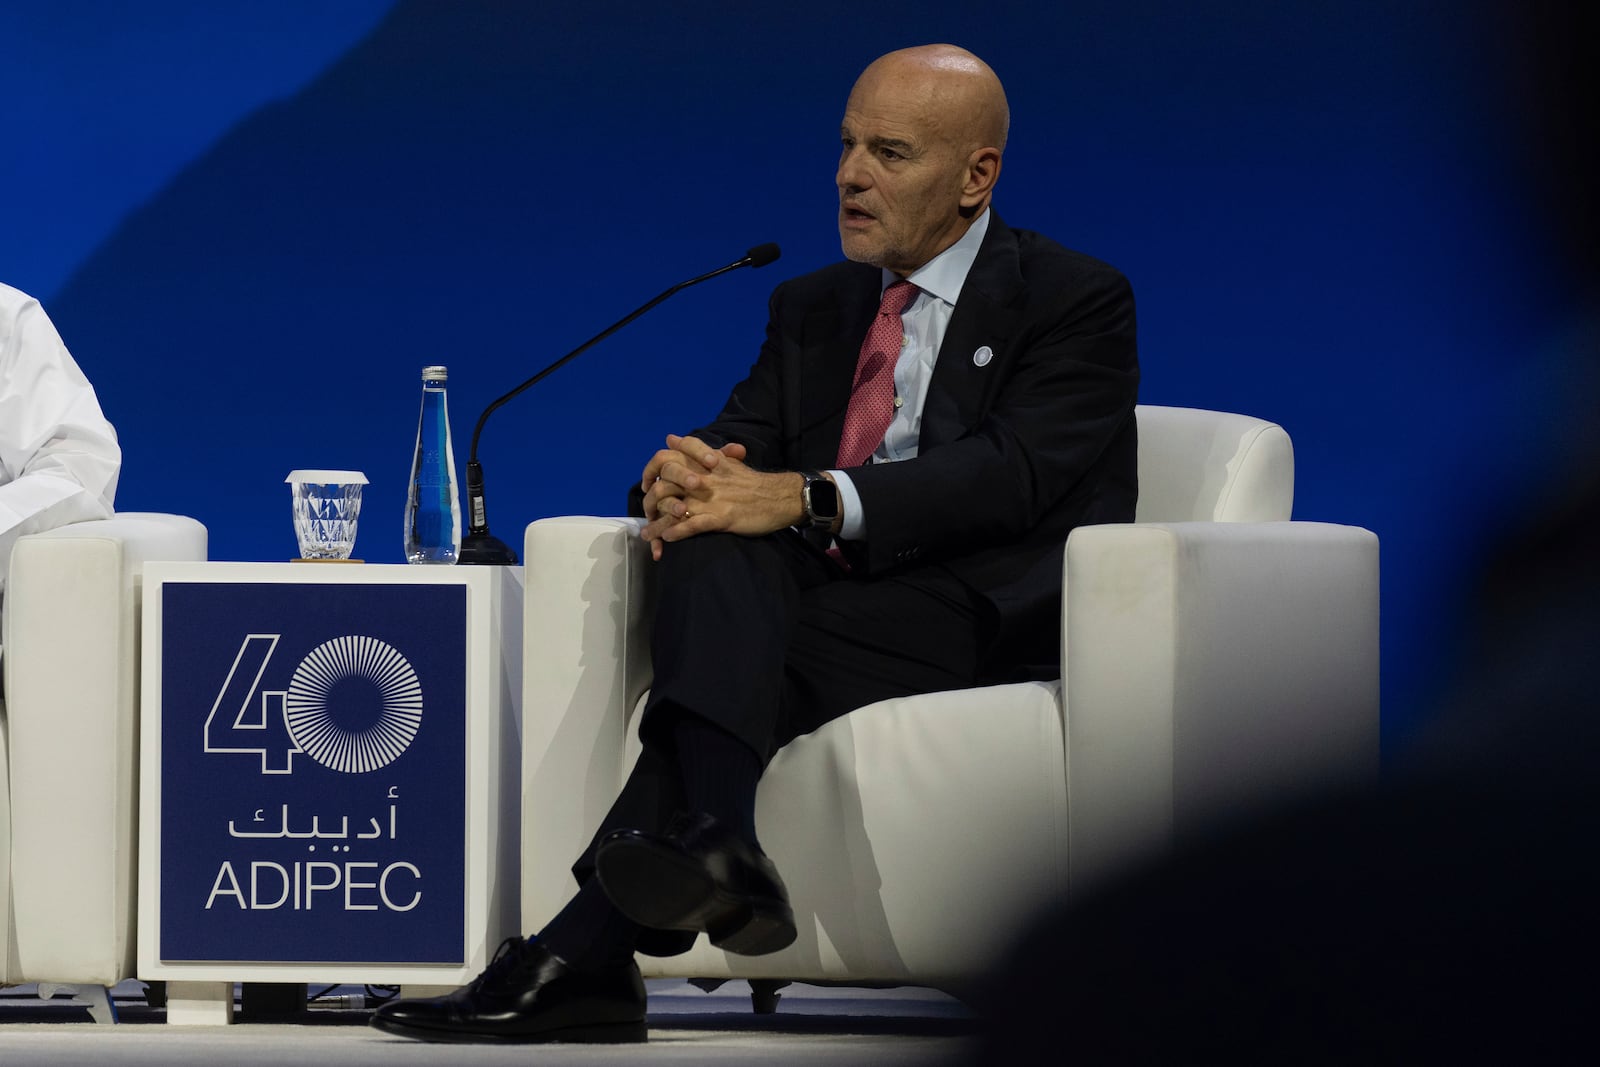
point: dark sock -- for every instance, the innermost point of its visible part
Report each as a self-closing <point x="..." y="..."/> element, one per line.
<point x="720" y="773"/>
<point x="590" y="934"/>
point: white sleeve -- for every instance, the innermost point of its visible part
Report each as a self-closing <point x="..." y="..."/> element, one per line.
<point x="853" y="524"/>
<point x="59" y="457"/>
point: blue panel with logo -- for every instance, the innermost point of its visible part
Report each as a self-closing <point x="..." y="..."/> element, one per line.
<point x="313" y="778"/>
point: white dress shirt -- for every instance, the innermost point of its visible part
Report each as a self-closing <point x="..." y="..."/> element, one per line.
<point x="939" y="282"/>
<point x="59" y="457"/>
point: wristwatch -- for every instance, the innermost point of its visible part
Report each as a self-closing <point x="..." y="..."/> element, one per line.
<point x="821" y="499"/>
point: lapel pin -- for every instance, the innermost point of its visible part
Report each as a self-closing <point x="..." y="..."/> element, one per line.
<point x="982" y="356"/>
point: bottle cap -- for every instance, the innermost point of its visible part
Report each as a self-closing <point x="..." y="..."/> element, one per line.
<point x="434" y="374"/>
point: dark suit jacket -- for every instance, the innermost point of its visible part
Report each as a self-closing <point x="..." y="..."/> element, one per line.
<point x="1012" y="454"/>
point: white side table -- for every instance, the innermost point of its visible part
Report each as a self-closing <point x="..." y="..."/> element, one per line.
<point x="329" y="769"/>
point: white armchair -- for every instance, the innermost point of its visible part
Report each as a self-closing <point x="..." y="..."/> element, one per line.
<point x="69" y="749"/>
<point x="1216" y="657"/>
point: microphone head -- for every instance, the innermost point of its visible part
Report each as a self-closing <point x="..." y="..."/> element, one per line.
<point x="761" y="255"/>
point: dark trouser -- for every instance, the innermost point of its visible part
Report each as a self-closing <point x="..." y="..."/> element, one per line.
<point x="768" y="638"/>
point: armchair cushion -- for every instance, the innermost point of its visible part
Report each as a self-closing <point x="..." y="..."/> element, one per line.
<point x="1208" y="669"/>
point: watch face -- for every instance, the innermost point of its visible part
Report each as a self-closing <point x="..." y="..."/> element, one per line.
<point x="822" y="499"/>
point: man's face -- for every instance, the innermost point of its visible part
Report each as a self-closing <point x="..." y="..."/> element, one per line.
<point x="900" y="176"/>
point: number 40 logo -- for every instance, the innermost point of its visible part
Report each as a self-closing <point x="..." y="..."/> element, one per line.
<point x="354" y="704"/>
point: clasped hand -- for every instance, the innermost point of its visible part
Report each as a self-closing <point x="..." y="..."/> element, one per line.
<point x="691" y="488"/>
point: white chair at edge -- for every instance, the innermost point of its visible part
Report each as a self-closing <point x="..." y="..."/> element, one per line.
<point x="69" y="753"/>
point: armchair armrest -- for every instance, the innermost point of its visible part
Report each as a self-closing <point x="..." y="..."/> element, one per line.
<point x="72" y="689"/>
<point x="1210" y="669"/>
<point x="585" y="666"/>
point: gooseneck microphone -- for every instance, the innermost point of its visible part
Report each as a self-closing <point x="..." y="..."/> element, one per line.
<point x="479" y="546"/>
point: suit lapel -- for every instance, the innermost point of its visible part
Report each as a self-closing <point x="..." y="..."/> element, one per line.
<point x="985" y="317"/>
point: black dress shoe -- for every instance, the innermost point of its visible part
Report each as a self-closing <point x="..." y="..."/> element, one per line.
<point x="527" y="994"/>
<point x="699" y="875"/>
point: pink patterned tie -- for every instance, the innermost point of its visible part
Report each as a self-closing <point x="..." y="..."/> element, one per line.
<point x="872" y="394"/>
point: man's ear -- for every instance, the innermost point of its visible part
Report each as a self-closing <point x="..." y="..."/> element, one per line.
<point x="983" y="170"/>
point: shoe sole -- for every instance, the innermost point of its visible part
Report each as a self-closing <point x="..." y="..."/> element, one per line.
<point x="754" y="932"/>
<point x="635" y="1033"/>
<point x="660" y="888"/>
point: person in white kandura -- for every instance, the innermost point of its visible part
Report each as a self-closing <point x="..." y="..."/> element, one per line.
<point x="59" y="457"/>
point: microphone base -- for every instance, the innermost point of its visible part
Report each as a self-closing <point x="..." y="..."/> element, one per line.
<point x="485" y="549"/>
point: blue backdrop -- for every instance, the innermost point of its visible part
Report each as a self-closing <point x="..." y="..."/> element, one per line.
<point x="254" y="224"/>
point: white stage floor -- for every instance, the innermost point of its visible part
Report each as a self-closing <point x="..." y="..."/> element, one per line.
<point x="812" y="1025"/>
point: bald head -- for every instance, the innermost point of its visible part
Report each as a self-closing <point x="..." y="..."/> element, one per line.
<point x="956" y="85"/>
<point x="922" y="138"/>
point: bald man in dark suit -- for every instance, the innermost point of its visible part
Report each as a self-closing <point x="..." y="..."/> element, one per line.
<point x="879" y="510"/>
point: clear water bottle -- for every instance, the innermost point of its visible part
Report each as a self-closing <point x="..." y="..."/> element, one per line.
<point x="433" y="511"/>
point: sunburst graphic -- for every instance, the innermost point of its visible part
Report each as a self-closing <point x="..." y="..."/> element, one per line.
<point x="318" y="702"/>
